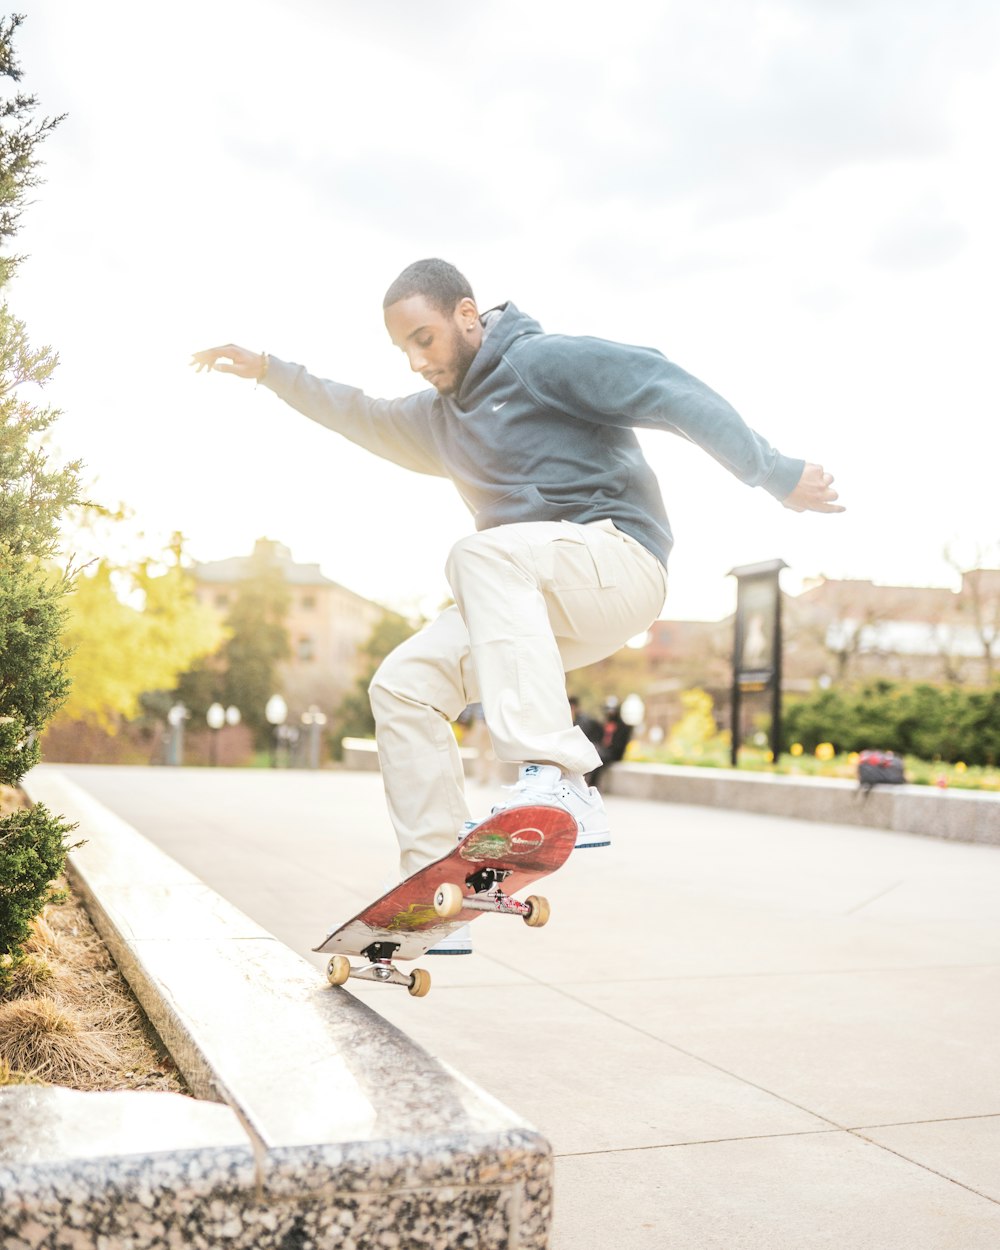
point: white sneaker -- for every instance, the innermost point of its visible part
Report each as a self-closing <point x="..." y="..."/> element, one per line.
<point x="547" y="785"/>
<point x="457" y="943"/>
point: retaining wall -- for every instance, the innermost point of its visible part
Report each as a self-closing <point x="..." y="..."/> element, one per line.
<point x="315" y="1122"/>
<point x="963" y="815"/>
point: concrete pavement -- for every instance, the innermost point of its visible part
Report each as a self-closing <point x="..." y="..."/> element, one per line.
<point x="737" y="1031"/>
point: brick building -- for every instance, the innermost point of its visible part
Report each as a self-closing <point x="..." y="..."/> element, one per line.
<point x="855" y="630"/>
<point x="840" y="630"/>
<point x="326" y="623"/>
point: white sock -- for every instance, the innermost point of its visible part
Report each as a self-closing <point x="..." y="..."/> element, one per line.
<point x="577" y="781"/>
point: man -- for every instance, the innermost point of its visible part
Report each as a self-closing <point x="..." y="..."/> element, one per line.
<point x="569" y="558"/>
<point x="590" y="725"/>
<point x="615" y="737"/>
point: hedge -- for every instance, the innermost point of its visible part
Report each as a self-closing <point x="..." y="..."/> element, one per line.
<point x="949" y="723"/>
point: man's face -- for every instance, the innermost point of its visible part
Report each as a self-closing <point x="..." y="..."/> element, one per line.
<point x="440" y="347"/>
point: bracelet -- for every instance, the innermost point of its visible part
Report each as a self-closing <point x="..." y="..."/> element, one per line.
<point x="263" y="369"/>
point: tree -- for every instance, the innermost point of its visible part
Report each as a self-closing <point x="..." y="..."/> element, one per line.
<point x="258" y="642"/>
<point x="20" y="134"/>
<point x="131" y="630"/>
<point x="979" y="601"/>
<point x="353" y="718"/>
<point x="34" y="495"/>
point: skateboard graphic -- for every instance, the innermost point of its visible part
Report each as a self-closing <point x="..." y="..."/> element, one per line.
<point x="492" y="862"/>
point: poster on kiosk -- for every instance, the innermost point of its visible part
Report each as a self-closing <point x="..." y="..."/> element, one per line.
<point x="757" y="646"/>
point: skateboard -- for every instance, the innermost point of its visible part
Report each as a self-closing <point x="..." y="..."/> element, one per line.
<point x="493" y="861"/>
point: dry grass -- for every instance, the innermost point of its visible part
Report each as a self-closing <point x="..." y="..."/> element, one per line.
<point x="54" y="1042"/>
<point x="68" y="1017"/>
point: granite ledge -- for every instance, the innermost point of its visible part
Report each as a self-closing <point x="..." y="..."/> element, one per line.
<point x="336" y="1129"/>
<point x="961" y="815"/>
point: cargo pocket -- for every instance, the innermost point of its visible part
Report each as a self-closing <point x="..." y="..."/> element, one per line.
<point x="576" y="560"/>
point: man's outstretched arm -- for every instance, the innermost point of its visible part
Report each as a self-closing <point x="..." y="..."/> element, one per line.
<point x="639" y="387"/>
<point x="396" y="429"/>
<point x="243" y="363"/>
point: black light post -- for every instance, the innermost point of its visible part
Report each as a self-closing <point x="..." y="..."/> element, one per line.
<point x="313" y="720"/>
<point x="276" y="712"/>
<point x="176" y="717"/>
<point x="216" y="717"/>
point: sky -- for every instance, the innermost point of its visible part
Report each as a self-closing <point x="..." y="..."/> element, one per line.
<point x="795" y="200"/>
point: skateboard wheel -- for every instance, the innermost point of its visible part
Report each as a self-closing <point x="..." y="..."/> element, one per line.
<point x="338" y="969"/>
<point x="539" y="913"/>
<point x="448" y="899"/>
<point x="420" y="982"/>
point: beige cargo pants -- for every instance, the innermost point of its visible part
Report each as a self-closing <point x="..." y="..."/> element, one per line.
<point x="532" y="601"/>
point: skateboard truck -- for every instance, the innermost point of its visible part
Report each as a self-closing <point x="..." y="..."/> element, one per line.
<point x="450" y="899"/>
<point x="380" y="969"/>
<point x="486" y="879"/>
<point x="380" y="952"/>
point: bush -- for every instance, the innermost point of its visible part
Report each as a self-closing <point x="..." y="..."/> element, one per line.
<point x="34" y="496"/>
<point x="933" y="722"/>
<point x="32" y="856"/>
<point x="696" y="734"/>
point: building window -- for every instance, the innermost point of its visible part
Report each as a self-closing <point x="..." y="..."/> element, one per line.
<point x="222" y="600"/>
<point x="307" y="649"/>
<point x="308" y="602"/>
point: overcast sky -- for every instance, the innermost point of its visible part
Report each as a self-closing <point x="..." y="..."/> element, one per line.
<point x="795" y="201"/>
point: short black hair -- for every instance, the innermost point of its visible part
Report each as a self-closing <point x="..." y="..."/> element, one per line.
<point x="438" y="282"/>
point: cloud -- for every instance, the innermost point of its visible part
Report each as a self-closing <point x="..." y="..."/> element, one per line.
<point x="921" y="239"/>
<point x="744" y="185"/>
<point x="736" y="106"/>
<point x="383" y="188"/>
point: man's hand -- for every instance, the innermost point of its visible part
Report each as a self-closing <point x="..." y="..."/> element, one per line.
<point x="244" y="364"/>
<point x="814" y="492"/>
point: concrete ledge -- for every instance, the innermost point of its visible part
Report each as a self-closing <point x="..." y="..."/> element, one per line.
<point x="962" y="815"/>
<point x="340" y="1130"/>
<point x="361" y="755"/>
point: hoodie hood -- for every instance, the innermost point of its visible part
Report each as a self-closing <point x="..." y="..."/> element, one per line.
<point x="502" y="327"/>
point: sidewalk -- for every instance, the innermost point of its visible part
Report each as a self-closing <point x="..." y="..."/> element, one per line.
<point x="737" y="1031"/>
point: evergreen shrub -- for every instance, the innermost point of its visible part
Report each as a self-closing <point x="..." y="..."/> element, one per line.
<point x="34" y="497"/>
<point x="949" y="723"/>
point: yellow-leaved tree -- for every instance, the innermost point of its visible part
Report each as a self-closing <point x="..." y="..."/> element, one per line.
<point x="131" y="631"/>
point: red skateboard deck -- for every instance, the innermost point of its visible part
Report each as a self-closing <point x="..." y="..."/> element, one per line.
<point x="492" y="862"/>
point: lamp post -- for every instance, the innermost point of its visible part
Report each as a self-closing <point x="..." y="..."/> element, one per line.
<point x="216" y="717"/>
<point x="633" y="710"/>
<point x="314" y="720"/>
<point x="276" y="713"/>
<point x="176" y="717"/>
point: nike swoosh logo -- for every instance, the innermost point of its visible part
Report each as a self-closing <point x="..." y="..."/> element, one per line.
<point x="497" y="407"/>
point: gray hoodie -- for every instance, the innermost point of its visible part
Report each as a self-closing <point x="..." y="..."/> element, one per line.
<point x="543" y="429"/>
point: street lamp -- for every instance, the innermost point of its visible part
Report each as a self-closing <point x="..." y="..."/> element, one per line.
<point x="176" y="717"/>
<point x="276" y="712"/>
<point x="216" y="717"/>
<point x="314" y="720"/>
<point x="633" y="710"/>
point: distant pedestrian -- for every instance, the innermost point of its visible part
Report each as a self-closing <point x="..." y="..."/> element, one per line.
<point x="590" y="725"/>
<point x="615" y="737"/>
